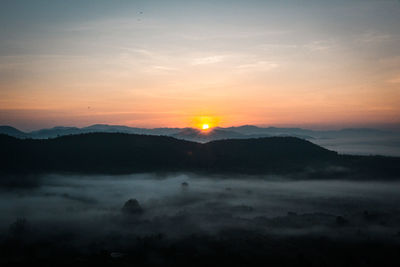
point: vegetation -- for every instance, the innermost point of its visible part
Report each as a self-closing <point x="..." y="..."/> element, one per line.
<point x="130" y="153"/>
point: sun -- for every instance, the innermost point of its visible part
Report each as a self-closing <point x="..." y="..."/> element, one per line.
<point x="205" y="123"/>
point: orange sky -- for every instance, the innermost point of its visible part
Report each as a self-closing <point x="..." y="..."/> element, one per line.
<point x="170" y="65"/>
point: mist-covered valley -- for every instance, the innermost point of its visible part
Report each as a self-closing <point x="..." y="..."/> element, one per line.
<point x="83" y="216"/>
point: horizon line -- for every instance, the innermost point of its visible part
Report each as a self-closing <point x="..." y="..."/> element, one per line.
<point x="388" y="126"/>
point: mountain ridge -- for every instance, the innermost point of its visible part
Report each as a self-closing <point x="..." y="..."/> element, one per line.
<point x="120" y="153"/>
<point x="244" y="131"/>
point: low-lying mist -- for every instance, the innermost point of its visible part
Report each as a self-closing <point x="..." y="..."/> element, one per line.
<point x="371" y="145"/>
<point x="152" y="219"/>
<point x="183" y="204"/>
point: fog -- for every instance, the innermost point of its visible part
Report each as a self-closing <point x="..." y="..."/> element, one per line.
<point x="182" y="204"/>
<point x="386" y="145"/>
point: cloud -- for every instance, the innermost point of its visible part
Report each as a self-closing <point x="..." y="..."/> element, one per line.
<point x="374" y="37"/>
<point x="395" y="79"/>
<point x="258" y="66"/>
<point x="164" y="68"/>
<point x="208" y="60"/>
<point x="160" y="69"/>
<point x="143" y="52"/>
<point x="319" y="45"/>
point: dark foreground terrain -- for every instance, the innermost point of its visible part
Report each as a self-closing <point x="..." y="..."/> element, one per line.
<point x="134" y="200"/>
<point x="229" y="248"/>
<point x="190" y="220"/>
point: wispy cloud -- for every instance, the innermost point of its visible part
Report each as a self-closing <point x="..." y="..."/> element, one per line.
<point x="374" y="37"/>
<point x="143" y="52"/>
<point x="395" y="79"/>
<point x="320" y="45"/>
<point x="208" y="60"/>
<point x="258" y="66"/>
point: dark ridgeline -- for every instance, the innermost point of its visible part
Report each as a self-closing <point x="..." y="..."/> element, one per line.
<point x="11" y="131"/>
<point x="94" y="153"/>
<point x="130" y="153"/>
<point x="191" y="134"/>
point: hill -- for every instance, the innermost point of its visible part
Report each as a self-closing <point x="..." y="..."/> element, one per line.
<point x="196" y="135"/>
<point x="129" y="153"/>
<point x="191" y="134"/>
<point x="11" y="131"/>
<point x="113" y="152"/>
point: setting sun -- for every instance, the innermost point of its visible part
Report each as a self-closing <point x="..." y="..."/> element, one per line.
<point x="205" y="122"/>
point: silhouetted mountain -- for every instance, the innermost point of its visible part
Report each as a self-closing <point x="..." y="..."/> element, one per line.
<point x="110" y="128"/>
<point x="8" y="130"/>
<point x="105" y="128"/>
<point x="191" y="134"/>
<point x="96" y="128"/>
<point x="54" y="132"/>
<point x="251" y="130"/>
<point x="308" y="134"/>
<point x="128" y="153"/>
<point x="245" y="129"/>
<point x="241" y="132"/>
<point x="357" y="141"/>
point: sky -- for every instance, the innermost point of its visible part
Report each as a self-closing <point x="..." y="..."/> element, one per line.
<point x="308" y="63"/>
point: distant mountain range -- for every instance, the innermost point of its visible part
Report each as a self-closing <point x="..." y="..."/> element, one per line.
<point x="104" y="128"/>
<point x="191" y="134"/>
<point x="130" y="153"/>
<point x="11" y="131"/>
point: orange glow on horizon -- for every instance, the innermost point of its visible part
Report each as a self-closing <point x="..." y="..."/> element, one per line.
<point x="205" y="123"/>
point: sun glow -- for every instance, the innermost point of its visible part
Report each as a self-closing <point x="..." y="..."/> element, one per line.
<point x="205" y="127"/>
<point x="205" y="123"/>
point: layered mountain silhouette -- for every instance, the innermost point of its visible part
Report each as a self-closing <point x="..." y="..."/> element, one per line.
<point x="130" y="153"/>
<point x="191" y="134"/>
<point x="104" y="128"/>
<point x="11" y="131"/>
